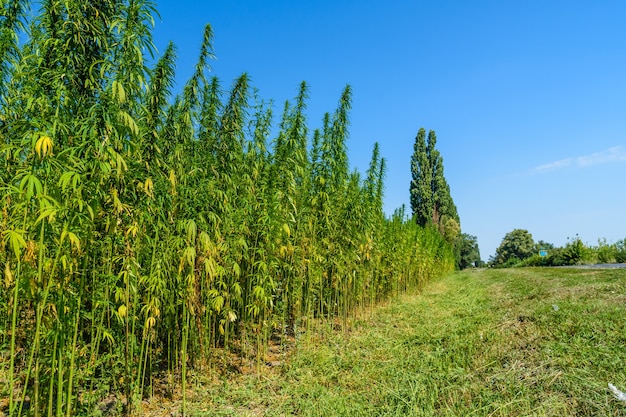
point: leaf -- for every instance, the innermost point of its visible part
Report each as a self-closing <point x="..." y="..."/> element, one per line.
<point x="8" y="275"/>
<point x="189" y="255"/>
<point x="15" y="239"/>
<point x="218" y="303"/>
<point x="91" y="213"/>
<point x="236" y="287"/>
<point x="32" y="185"/>
<point x="210" y="267"/>
<point x="232" y="316"/>
<point x="117" y="204"/>
<point x="106" y="335"/>
<point x="67" y="178"/>
<point x="74" y="240"/>
<point x="254" y="310"/>
<point x="172" y="179"/>
<point x="132" y="230"/>
<point x="205" y="241"/>
<point x="258" y="292"/>
<point x="127" y="120"/>
<point x="47" y="213"/>
<point x="118" y="92"/>
<point x="148" y="187"/>
<point x="286" y="229"/>
<point x="43" y="146"/>
<point x="192" y="231"/>
<point x="150" y="322"/>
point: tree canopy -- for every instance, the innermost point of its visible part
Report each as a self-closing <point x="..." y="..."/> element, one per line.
<point x="431" y="202"/>
<point x="468" y="252"/>
<point x="517" y="245"/>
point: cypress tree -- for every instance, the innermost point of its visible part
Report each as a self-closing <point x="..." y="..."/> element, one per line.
<point x="421" y="181"/>
<point x="431" y="202"/>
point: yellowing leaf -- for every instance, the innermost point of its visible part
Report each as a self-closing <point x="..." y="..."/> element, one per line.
<point x="150" y="322"/>
<point x="121" y="311"/>
<point x="127" y="120"/>
<point x="118" y="92"/>
<point x="8" y="276"/>
<point x="74" y="240"/>
<point x="173" y="180"/>
<point x="108" y="337"/>
<point x="132" y="230"/>
<point x="43" y="146"/>
<point x="148" y="186"/>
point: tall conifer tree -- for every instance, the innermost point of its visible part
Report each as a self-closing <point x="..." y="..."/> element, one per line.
<point x="431" y="202"/>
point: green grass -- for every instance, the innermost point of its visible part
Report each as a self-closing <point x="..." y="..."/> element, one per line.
<point x="506" y="342"/>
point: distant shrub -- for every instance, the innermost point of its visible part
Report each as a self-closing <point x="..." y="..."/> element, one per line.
<point x="536" y="260"/>
<point x="556" y="257"/>
<point x="605" y="253"/>
<point x="576" y="253"/>
<point x="620" y="251"/>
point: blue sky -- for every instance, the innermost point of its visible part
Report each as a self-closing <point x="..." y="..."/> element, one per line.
<point x="528" y="98"/>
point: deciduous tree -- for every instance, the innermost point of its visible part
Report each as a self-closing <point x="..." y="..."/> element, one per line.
<point x="516" y="245"/>
<point x="468" y="252"/>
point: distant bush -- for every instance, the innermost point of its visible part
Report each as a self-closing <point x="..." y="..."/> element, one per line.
<point x="575" y="252"/>
<point x="605" y="252"/>
<point x="620" y="251"/>
<point x="555" y="257"/>
<point x="534" y="260"/>
<point x="510" y="263"/>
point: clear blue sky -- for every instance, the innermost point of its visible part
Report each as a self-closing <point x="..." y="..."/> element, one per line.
<point x="528" y="98"/>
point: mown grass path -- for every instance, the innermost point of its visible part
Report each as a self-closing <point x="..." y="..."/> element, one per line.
<point x="516" y="342"/>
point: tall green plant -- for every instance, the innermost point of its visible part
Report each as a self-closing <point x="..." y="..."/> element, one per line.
<point x="143" y="232"/>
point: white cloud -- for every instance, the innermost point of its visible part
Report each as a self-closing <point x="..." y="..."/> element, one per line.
<point x="614" y="154"/>
<point x="554" y="165"/>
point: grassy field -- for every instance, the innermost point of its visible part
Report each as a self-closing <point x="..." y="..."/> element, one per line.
<point x="514" y="342"/>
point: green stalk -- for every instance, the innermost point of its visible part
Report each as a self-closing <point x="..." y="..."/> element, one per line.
<point x="40" y="308"/>
<point x="127" y="377"/>
<point x="13" y="330"/>
<point x="72" y="360"/>
<point x="59" y="404"/>
<point x="184" y="357"/>
<point x="53" y="367"/>
<point x="143" y="362"/>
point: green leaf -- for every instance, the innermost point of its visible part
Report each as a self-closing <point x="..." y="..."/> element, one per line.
<point x="32" y="185"/>
<point x="15" y="239"/>
<point x="218" y="303"/>
<point x="47" y="212"/>
<point x="67" y="178"/>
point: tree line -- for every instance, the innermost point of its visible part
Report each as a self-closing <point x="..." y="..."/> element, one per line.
<point x="518" y="248"/>
<point x="144" y="232"/>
